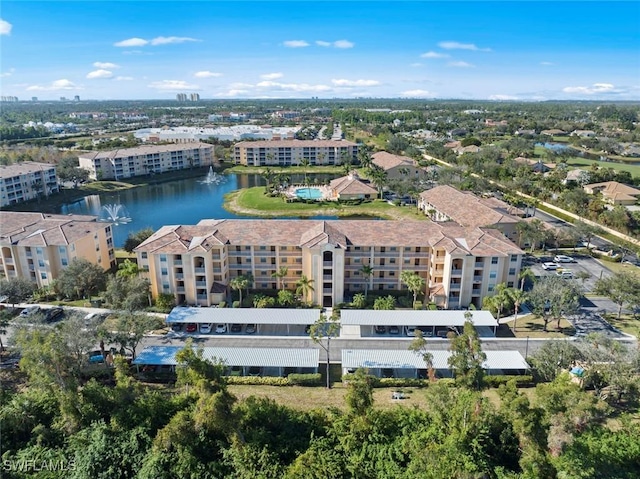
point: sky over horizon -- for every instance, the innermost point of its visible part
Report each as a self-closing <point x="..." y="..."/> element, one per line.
<point x="119" y="50"/>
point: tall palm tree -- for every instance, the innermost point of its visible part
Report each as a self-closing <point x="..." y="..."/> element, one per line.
<point x="304" y="286"/>
<point x="378" y="178"/>
<point x="414" y="282"/>
<point x="366" y="271"/>
<point x="305" y="164"/>
<point x="239" y="283"/>
<point x="500" y="298"/>
<point x="517" y="297"/>
<point x="268" y="176"/>
<point x="364" y="157"/>
<point x="280" y="274"/>
<point x="525" y="273"/>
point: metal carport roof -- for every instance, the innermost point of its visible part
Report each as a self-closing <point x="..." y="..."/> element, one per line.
<point x="399" y="359"/>
<point x="265" y="357"/>
<point x="369" y="317"/>
<point x="243" y="315"/>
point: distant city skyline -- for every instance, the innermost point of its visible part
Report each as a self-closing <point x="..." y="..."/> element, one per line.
<point x="525" y="50"/>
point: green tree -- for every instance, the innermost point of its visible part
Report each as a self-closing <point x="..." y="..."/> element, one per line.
<point x="467" y="357"/>
<point x="552" y="297"/>
<point x="5" y="319"/>
<point x="526" y="274"/>
<point x="587" y="231"/>
<point x="554" y="357"/>
<point x="622" y="288"/>
<point x="136" y="238"/>
<point x="517" y="297"/>
<point x="419" y="346"/>
<point x="499" y="300"/>
<point x="386" y="303"/>
<point x="239" y="283"/>
<point x="128" y="269"/>
<point x="359" y="301"/>
<point x="286" y="298"/>
<point x="366" y="272"/>
<point x="17" y="290"/>
<point x="165" y="302"/>
<point x="128" y="293"/>
<point x="82" y="279"/>
<point x="280" y="275"/>
<point x="359" y="397"/>
<point x="321" y="333"/>
<point x="414" y="282"/>
<point x="130" y="328"/>
<point x="304" y="287"/>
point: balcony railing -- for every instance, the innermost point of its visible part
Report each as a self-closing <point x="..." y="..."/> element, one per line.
<point x="200" y="270"/>
<point x="456" y="271"/>
<point x="477" y="279"/>
<point x="455" y="286"/>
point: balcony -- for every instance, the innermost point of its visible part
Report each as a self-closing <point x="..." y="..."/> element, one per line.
<point x="477" y="279"/>
<point x="179" y="275"/>
<point x="455" y="286"/>
<point x="177" y="262"/>
<point x="327" y="264"/>
<point x="199" y="269"/>
<point x="456" y="272"/>
<point x="327" y="277"/>
<point x="476" y="292"/>
<point x="180" y="289"/>
<point x="201" y="284"/>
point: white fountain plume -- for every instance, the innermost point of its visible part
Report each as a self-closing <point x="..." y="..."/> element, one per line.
<point x="213" y="178"/>
<point x="115" y="213"/>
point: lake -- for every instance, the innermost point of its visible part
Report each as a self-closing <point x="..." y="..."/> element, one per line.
<point x="184" y="202"/>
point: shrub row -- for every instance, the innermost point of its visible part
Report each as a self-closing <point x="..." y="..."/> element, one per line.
<point x="498" y="380"/>
<point x="258" y="380"/>
<point x="314" y="379"/>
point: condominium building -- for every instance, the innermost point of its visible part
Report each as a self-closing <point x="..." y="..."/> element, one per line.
<point x="397" y="166"/>
<point x="38" y="246"/>
<point x="460" y="266"/>
<point x="25" y="181"/>
<point x="445" y="203"/>
<point x="143" y="160"/>
<point x="294" y="152"/>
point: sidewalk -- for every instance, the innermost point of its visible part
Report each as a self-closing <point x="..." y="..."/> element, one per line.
<point x="523" y="311"/>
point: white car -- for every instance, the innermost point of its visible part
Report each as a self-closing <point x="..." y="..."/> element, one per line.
<point x="550" y="266"/>
<point x="221" y="328"/>
<point x="29" y="311"/>
<point x="565" y="274"/>
<point x="564" y="259"/>
<point x="205" y="328"/>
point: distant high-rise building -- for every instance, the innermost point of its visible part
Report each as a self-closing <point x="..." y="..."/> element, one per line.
<point x="76" y="98"/>
<point x="195" y="97"/>
<point x="10" y="99"/>
<point x="63" y="98"/>
<point x="34" y="98"/>
<point x="181" y="97"/>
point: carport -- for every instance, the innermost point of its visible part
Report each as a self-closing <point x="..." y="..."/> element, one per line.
<point x="273" y="359"/>
<point x="257" y="316"/>
<point x="354" y="321"/>
<point x="406" y="364"/>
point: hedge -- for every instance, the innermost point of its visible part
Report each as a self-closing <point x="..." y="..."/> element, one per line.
<point x="258" y="380"/>
<point x="498" y="380"/>
<point x="314" y="379"/>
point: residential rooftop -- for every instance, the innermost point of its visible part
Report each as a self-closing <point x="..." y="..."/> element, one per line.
<point x="24" y="168"/>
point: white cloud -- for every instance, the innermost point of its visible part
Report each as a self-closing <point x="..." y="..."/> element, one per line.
<point x="417" y="93"/>
<point x="121" y="78"/>
<point x="321" y="43"/>
<point x="173" y="85"/>
<point x="546" y="64"/>
<point x="105" y="65"/>
<point x="350" y="83"/>
<point x="295" y="44"/>
<point x="99" y="74"/>
<point x="5" y="27"/>
<point x="131" y="42"/>
<point x="169" y="40"/>
<point x="206" y="74"/>
<point x="56" y="85"/>
<point x="343" y="44"/>
<point x="462" y="46"/>
<point x="434" y="55"/>
<point x="460" y="65"/>
<point x="415" y="65"/>
<point x="271" y="76"/>
<point x="503" y="97"/>
<point x="590" y="90"/>
<point x="293" y="87"/>
<point x="8" y="73"/>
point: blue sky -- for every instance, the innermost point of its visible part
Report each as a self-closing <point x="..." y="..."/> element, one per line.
<point x="502" y="50"/>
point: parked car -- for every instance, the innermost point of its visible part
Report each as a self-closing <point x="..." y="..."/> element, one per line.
<point x="564" y="259"/>
<point x="411" y="330"/>
<point x="250" y="329"/>
<point x="235" y="371"/>
<point x="176" y="327"/>
<point x="394" y="330"/>
<point x="565" y="274"/>
<point x="221" y="328"/>
<point x="191" y="327"/>
<point x="53" y="314"/>
<point x="205" y="328"/>
<point x="255" y="371"/>
<point x="236" y="328"/>
<point x="380" y="330"/>
<point x="550" y="266"/>
<point x="29" y="311"/>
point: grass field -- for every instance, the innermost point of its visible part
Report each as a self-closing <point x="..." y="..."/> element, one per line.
<point x="253" y="202"/>
<point x="578" y="162"/>
<point x="531" y="325"/>
<point x="627" y="323"/>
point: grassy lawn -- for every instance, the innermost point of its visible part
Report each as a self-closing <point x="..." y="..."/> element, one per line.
<point x="626" y="323"/>
<point x="253" y="202"/>
<point x="583" y="162"/>
<point x="531" y="325"/>
<point x="618" y="267"/>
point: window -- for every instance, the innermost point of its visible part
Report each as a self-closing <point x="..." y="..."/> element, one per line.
<point x="512" y="271"/>
<point x="491" y="288"/>
<point x="143" y="255"/>
<point x="513" y="258"/>
<point x="263" y="260"/>
<point x="39" y="251"/>
<point x="283" y="260"/>
<point x="64" y="262"/>
<point x="62" y="249"/>
<point x="163" y="271"/>
<point x="510" y="284"/>
<point x="43" y="275"/>
<point x="494" y="260"/>
<point x="41" y="263"/>
<point x="163" y="258"/>
<point x="493" y="275"/>
<point x="165" y="286"/>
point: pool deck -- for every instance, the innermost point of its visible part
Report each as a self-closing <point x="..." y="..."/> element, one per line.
<point x="325" y="191"/>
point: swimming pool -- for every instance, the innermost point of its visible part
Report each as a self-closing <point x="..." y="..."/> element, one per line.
<point x="309" y="193"/>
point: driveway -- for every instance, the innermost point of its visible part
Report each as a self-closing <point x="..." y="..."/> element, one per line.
<point x="593" y="267"/>
<point x="590" y="320"/>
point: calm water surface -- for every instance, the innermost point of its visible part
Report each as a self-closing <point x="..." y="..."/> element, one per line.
<point x="177" y="202"/>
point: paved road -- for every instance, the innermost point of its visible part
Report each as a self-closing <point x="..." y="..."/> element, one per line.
<point x="590" y="319"/>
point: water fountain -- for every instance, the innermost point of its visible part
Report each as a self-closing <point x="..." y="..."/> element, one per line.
<point x="213" y="178"/>
<point x="115" y="213"/>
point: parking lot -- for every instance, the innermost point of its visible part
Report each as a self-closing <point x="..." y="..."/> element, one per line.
<point x="593" y="267"/>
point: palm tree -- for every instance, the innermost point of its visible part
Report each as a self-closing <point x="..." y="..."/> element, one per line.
<point x="414" y="282"/>
<point x="378" y="178"/>
<point x="268" y="176"/>
<point x="280" y="274"/>
<point x="304" y="286"/>
<point x="366" y="271"/>
<point x="305" y="164"/>
<point x="501" y="298"/>
<point x="517" y="297"/>
<point x="364" y="157"/>
<point x="526" y="273"/>
<point x="239" y="283"/>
